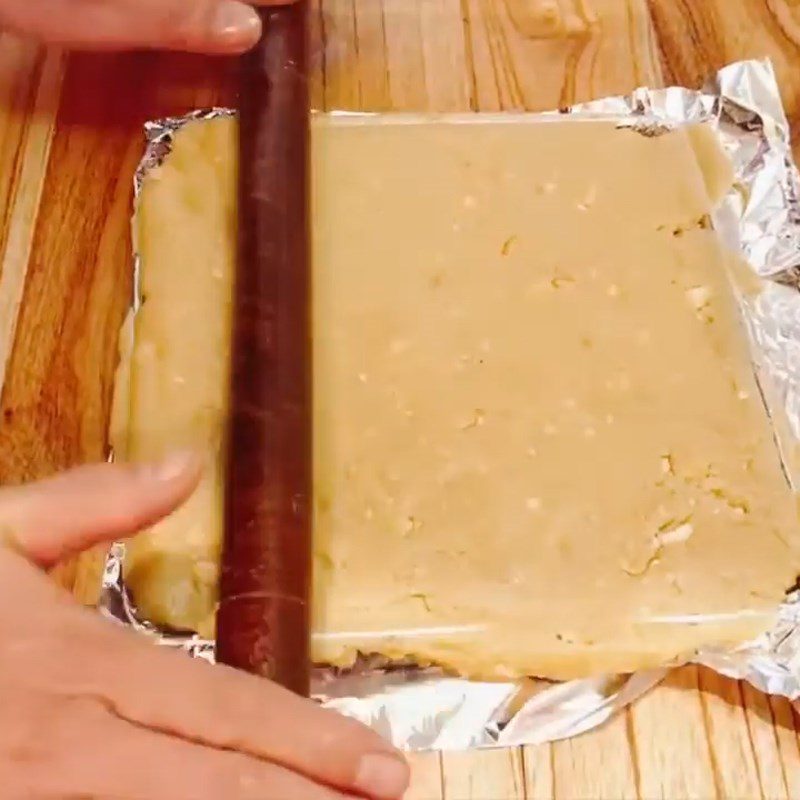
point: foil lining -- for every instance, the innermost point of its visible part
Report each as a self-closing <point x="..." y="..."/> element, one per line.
<point x="423" y="709"/>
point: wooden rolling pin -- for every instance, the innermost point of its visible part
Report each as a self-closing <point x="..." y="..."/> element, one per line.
<point x="263" y="617"/>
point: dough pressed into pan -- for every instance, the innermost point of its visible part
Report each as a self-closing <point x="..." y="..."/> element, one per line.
<point x="539" y="445"/>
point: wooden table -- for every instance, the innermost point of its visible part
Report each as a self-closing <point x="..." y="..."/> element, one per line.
<point x="70" y="136"/>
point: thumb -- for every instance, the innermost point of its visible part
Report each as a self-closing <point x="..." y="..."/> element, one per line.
<point x="62" y="516"/>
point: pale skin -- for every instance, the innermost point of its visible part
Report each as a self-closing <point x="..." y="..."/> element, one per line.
<point x="201" y="26"/>
<point x="87" y="708"/>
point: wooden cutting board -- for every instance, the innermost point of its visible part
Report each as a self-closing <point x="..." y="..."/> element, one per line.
<point x="70" y="137"/>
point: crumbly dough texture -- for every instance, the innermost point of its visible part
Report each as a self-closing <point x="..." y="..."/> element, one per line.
<point x="540" y="448"/>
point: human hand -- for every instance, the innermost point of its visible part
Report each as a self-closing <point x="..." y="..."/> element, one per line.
<point x="89" y="709"/>
<point x="202" y="26"/>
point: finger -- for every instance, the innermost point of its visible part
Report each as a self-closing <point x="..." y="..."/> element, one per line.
<point x="205" y="26"/>
<point x="223" y="708"/>
<point x="53" y="519"/>
<point x="181" y="769"/>
<point x="89" y="752"/>
<point x="164" y="690"/>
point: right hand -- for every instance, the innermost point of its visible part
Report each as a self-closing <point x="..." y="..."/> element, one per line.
<point x="90" y="709"/>
<point x="200" y="26"/>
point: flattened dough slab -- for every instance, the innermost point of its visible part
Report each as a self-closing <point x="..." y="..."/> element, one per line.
<point x="540" y="448"/>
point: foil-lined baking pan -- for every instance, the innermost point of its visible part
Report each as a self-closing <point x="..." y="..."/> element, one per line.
<point x="420" y="709"/>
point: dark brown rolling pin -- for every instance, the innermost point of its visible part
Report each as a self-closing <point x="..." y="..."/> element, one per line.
<point x="263" y="617"/>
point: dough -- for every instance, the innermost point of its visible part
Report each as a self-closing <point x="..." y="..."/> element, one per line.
<point x="540" y="448"/>
<point x="177" y="376"/>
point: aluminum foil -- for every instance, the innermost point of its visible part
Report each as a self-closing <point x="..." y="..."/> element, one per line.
<point x="421" y="709"/>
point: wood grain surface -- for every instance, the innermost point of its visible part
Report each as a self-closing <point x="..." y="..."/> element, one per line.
<point x="70" y="136"/>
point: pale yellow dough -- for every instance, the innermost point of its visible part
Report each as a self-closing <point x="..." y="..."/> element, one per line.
<point x="539" y="448"/>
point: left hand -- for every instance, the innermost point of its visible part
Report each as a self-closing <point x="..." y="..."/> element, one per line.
<point x="200" y="26"/>
<point x="90" y="709"/>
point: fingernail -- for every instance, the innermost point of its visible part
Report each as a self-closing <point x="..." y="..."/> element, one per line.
<point x="174" y="466"/>
<point x="382" y="777"/>
<point x="235" y="22"/>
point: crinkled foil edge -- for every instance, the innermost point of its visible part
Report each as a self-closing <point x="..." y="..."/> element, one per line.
<point x="422" y="709"/>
